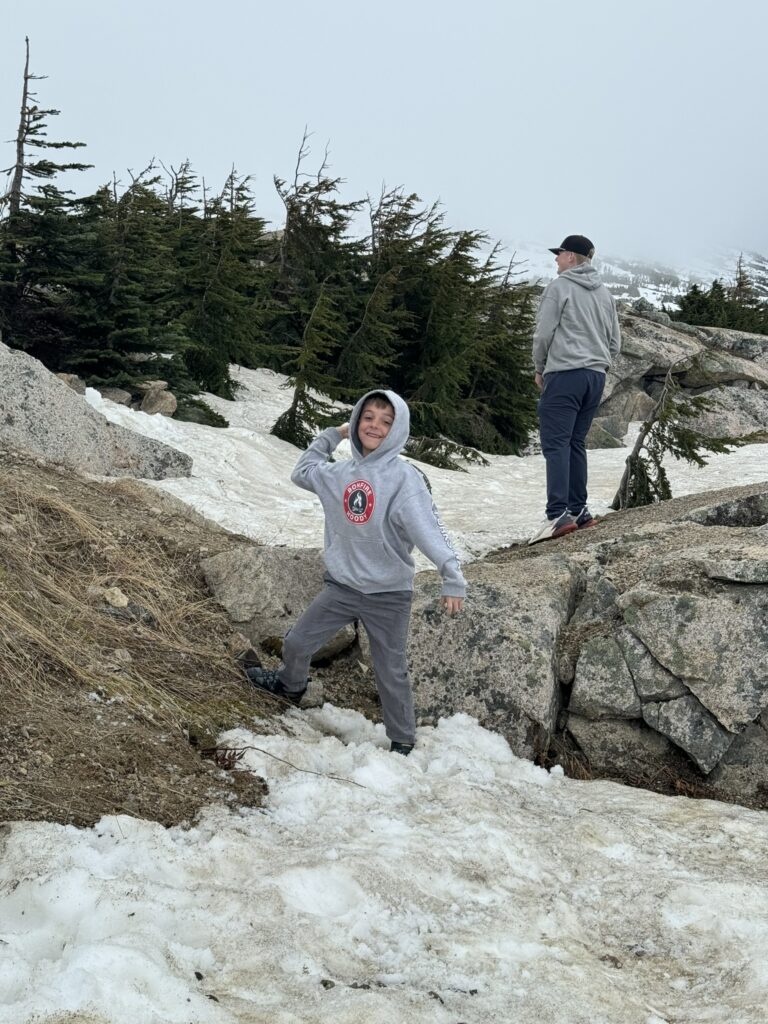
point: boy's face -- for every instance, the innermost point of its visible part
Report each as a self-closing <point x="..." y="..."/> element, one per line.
<point x="374" y="425"/>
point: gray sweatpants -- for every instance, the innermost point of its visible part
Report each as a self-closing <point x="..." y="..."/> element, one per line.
<point x="385" y="617"/>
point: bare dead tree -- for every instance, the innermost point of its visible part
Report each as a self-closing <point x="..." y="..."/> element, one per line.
<point x="31" y="132"/>
<point x="14" y="192"/>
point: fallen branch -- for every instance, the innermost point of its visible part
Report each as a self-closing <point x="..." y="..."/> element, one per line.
<point x="227" y="757"/>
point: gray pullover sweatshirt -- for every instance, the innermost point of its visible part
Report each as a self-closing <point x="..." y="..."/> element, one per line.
<point x="577" y="327"/>
<point x="377" y="509"/>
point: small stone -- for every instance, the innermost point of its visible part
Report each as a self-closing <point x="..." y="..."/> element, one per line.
<point x="157" y="401"/>
<point x="237" y="644"/>
<point x="115" y="597"/>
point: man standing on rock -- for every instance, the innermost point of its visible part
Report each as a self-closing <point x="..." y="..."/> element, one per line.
<point x="576" y="339"/>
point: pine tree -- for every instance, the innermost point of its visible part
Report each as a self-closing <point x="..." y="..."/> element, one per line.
<point x="441" y="368"/>
<point x="737" y="307"/>
<point x="718" y="305"/>
<point x="501" y="386"/>
<point x="694" y="307"/>
<point x="128" y="332"/>
<point x="315" y="282"/>
<point x="747" y="313"/>
<point x="666" y="431"/>
<point x="377" y="316"/>
<point x="308" y="377"/>
<point x="36" y="262"/>
<point x="368" y="352"/>
<point x="219" y="298"/>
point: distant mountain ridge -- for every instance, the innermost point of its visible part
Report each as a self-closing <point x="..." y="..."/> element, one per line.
<point x="658" y="282"/>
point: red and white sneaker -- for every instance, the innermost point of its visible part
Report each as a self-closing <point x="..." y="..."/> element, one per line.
<point x="584" y="519"/>
<point x="552" y="528"/>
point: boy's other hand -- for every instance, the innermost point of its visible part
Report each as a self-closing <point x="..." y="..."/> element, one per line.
<point x="343" y="430"/>
<point x="452" y="605"/>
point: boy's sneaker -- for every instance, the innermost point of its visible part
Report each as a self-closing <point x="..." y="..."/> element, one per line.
<point x="552" y="528"/>
<point x="400" y="748"/>
<point x="584" y="519"/>
<point x="268" y="679"/>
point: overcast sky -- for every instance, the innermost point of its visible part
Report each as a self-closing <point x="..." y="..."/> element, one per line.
<point x="639" y="125"/>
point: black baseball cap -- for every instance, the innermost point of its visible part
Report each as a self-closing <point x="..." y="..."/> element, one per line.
<point x="579" y="244"/>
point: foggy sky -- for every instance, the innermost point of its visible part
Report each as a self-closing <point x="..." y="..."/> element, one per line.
<point x="641" y="126"/>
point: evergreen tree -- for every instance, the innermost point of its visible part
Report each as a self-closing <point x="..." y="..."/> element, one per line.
<point x="694" y="307"/>
<point x="393" y="262"/>
<point x="219" y="289"/>
<point x="307" y="375"/>
<point x="666" y="431"/>
<point x="747" y="313"/>
<point x="464" y="361"/>
<point x="368" y="352"/>
<point x="717" y="300"/>
<point x="36" y="263"/>
<point x="737" y="307"/>
<point x="440" y="368"/>
<point x="501" y="386"/>
<point x="315" y="282"/>
<point x="128" y="333"/>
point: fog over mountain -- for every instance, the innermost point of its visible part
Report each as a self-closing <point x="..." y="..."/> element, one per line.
<point x="653" y="279"/>
<point x="641" y="128"/>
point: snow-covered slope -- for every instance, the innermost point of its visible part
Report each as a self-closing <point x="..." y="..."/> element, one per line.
<point x="461" y="884"/>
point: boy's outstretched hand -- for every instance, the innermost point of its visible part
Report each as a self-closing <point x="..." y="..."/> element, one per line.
<point x="452" y="605"/>
<point x="343" y="430"/>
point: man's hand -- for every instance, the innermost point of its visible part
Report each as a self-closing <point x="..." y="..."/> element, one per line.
<point x="452" y="605"/>
<point x="343" y="430"/>
<point x="539" y="381"/>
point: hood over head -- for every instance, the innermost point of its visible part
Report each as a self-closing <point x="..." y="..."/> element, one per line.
<point x="585" y="275"/>
<point x="395" y="440"/>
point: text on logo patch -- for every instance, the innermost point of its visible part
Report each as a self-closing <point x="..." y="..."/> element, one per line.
<point x="359" y="501"/>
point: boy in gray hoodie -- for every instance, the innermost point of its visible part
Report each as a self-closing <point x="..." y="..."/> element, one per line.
<point x="377" y="509"/>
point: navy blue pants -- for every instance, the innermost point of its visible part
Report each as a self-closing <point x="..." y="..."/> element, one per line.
<point x="567" y="407"/>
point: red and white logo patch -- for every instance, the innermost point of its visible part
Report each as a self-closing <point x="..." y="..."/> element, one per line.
<point x="358" y="502"/>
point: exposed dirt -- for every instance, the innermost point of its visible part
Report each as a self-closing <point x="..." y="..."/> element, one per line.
<point x="105" y="709"/>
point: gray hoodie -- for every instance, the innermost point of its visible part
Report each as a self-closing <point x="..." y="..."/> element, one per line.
<point x="377" y="509"/>
<point x="577" y="326"/>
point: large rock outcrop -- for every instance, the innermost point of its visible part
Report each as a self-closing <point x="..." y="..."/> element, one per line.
<point x="495" y="661"/>
<point x="642" y="642"/>
<point x="39" y="413"/>
<point x="730" y="367"/>
<point x="265" y="589"/>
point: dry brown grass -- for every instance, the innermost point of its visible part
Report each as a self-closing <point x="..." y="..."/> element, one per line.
<point x="50" y="629"/>
<point x="98" y="703"/>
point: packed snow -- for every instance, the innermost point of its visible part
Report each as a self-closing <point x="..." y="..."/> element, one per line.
<point x="460" y="884"/>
